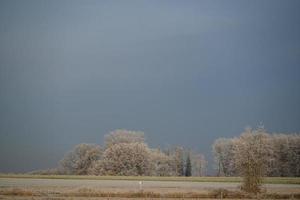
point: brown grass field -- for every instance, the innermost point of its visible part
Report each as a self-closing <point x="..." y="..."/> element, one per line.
<point x="95" y="187"/>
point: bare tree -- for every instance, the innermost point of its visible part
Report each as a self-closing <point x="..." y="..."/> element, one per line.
<point x="80" y="159"/>
<point x="251" y="154"/>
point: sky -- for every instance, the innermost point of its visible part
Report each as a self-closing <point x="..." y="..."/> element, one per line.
<point x="184" y="72"/>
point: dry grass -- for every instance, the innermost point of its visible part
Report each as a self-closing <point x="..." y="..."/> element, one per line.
<point x="17" y="192"/>
<point x="85" y="198"/>
<point x="93" y="193"/>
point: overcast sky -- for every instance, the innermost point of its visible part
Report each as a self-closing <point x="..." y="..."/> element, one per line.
<point x="184" y="72"/>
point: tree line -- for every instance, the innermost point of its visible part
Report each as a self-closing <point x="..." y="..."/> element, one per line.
<point x="126" y="153"/>
<point x="279" y="153"/>
<point x="255" y="154"/>
<point x="252" y="155"/>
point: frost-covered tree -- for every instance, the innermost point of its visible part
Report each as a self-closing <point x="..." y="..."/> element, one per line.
<point x="286" y="155"/>
<point x="129" y="159"/>
<point x="123" y="136"/>
<point x="283" y="152"/>
<point x="199" y="164"/>
<point x="178" y="162"/>
<point x="80" y="159"/>
<point x="161" y="164"/>
<point x="223" y="151"/>
<point x="278" y="166"/>
<point x="294" y="155"/>
<point x="126" y="153"/>
<point x="251" y="154"/>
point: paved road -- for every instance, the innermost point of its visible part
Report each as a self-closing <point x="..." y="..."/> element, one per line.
<point x="24" y="182"/>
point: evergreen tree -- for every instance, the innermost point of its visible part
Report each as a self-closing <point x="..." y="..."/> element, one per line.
<point x="188" y="168"/>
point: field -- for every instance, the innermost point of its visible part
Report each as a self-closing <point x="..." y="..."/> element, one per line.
<point x="267" y="180"/>
<point x="94" y="187"/>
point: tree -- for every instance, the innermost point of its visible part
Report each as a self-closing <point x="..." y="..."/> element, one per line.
<point x="188" y="168"/>
<point x="129" y="159"/>
<point x="176" y="153"/>
<point x="223" y="150"/>
<point x="284" y="155"/>
<point x="199" y="164"/>
<point x="294" y="155"/>
<point x="161" y="164"/>
<point x="126" y="153"/>
<point x="251" y="156"/>
<point x="178" y="159"/>
<point x="279" y="165"/>
<point x="80" y="159"/>
<point x="123" y="136"/>
<point x="97" y="168"/>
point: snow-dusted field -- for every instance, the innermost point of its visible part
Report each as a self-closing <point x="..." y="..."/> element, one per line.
<point x="129" y="184"/>
<point x="34" y="188"/>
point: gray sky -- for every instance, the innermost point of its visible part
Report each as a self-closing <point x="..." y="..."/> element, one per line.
<point x="184" y="72"/>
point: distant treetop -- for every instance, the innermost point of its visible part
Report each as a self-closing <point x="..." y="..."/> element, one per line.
<point x="124" y="136"/>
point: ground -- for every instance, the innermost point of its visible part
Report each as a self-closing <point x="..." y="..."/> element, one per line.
<point x="84" y="187"/>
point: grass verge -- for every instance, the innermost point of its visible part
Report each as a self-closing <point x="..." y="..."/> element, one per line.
<point x="267" y="180"/>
